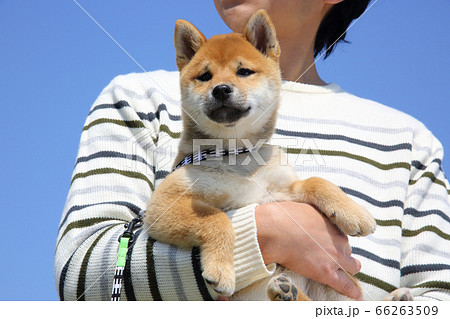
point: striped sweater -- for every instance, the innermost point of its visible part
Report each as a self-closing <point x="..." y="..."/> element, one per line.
<point x="382" y="158"/>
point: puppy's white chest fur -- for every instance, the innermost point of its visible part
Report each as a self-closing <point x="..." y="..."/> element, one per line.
<point x="244" y="179"/>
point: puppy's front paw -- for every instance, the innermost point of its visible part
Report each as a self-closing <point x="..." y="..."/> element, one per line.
<point x="221" y="278"/>
<point x="281" y="288"/>
<point x="400" y="294"/>
<point x="353" y="219"/>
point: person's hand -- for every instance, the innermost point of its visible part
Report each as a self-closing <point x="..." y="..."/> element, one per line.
<point x="283" y="241"/>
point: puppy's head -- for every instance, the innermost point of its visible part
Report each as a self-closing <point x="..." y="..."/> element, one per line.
<point x="229" y="83"/>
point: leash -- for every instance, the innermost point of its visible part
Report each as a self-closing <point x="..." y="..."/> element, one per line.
<point x="203" y="155"/>
<point x="126" y="240"/>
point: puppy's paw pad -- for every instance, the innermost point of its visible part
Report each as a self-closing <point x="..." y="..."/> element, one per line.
<point x="400" y="294"/>
<point x="281" y="288"/>
<point x="222" y="279"/>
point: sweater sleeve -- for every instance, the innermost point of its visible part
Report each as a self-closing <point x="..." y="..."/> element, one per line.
<point x="113" y="178"/>
<point x="425" y="263"/>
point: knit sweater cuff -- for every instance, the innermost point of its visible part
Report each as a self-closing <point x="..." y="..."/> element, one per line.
<point x="248" y="261"/>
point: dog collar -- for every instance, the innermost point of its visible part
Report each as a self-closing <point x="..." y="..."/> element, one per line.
<point x="203" y="155"/>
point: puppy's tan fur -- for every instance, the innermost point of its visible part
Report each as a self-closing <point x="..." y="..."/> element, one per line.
<point x="187" y="208"/>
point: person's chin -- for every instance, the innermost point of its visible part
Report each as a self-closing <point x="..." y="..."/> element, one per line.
<point x="235" y="14"/>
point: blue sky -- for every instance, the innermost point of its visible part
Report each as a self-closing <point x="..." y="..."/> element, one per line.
<point x="55" y="60"/>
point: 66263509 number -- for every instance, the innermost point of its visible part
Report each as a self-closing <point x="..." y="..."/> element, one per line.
<point x="407" y="310"/>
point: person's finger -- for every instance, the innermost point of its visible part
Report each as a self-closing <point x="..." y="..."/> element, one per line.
<point x="358" y="267"/>
<point x="348" y="250"/>
<point x="346" y="286"/>
<point x="350" y="264"/>
<point x="222" y="298"/>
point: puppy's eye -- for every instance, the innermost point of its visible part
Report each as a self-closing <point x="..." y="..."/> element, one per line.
<point x="205" y="77"/>
<point x="244" y="72"/>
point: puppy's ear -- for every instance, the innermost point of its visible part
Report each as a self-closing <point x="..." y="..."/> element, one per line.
<point x="261" y="33"/>
<point x="188" y="39"/>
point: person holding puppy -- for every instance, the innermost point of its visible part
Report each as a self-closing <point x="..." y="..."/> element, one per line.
<point x="387" y="161"/>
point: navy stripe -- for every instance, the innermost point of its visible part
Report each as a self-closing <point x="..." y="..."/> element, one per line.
<point x="161" y="108"/>
<point x="82" y="276"/>
<point x="143" y="116"/>
<point x="195" y="257"/>
<point x="161" y="174"/>
<point x="151" y="273"/>
<point x="383" y="261"/>
<point x="112" y="154"/>
<point x="135" y="209"/>
<point x="117" y="105"/>
<point x="62" y="278"/>
<point x="421" y="166"/>
<point x="422" y="268"/>
<point x="381" y="147"/>
<point x="374" y="202"/>
<point x="414" y="212"/>
<point x="178" y="283"/>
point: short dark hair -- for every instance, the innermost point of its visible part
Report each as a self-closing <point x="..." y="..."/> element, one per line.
<point x="334" y="25"/>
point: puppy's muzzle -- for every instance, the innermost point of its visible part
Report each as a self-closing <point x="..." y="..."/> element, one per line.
<point x="224" y="107"/>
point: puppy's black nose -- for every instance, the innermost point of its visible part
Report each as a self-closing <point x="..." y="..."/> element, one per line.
<point x="222" y="92"/>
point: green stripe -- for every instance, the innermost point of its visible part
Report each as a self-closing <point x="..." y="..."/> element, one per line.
<point x="166" y="129"/>
<point x="130" y="124"/>
<point x="108" y="170"/>
<point x="434" y="284"/>
<point x="351" y="156"/>
<point x="375" y="282"/>
<point x="86" y="223"/>
<point x="433" y="179"/>
<point x="437" y="231"/>
<point x="81" y="286"/>
<point x="389" y="222"/>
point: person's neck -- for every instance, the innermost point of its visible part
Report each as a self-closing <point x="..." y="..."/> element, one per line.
<point x="297" y="51"/>
<point x="297" y="62"/>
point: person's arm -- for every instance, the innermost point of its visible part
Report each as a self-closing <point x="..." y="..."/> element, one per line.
<point x="113" y="179"/>
<point x="425" y="263"/>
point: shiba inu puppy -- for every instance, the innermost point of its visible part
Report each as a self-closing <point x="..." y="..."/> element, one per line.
<point x="230" y="89"/>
